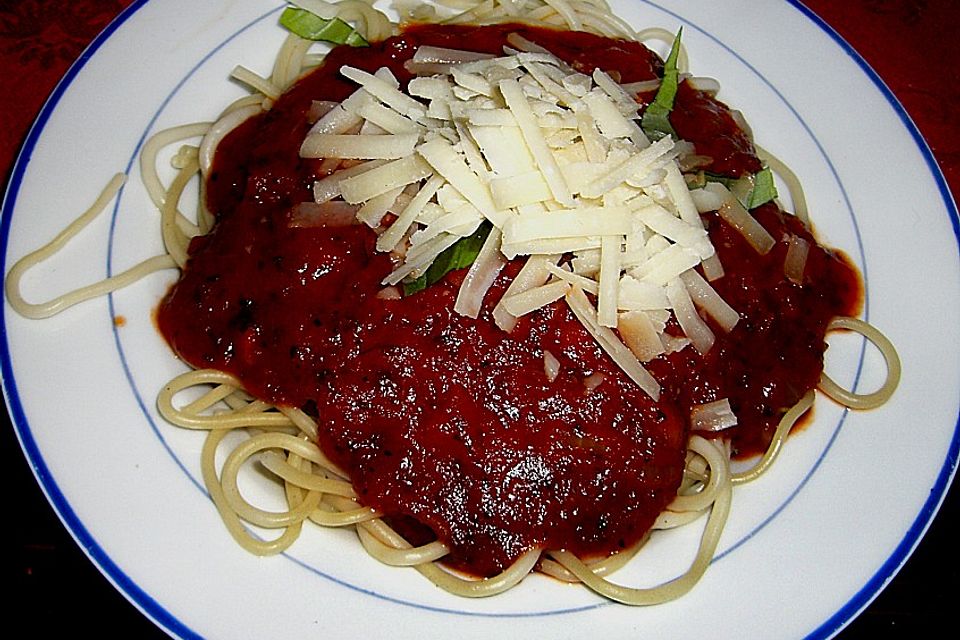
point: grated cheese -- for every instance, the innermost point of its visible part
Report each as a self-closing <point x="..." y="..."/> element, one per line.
<point x="608" y="291"/>
<point x="445" y="160"/>
<point x="533" y="274"/>
<point x="610" y="343"/>
<point x="519" y="190"/>
<point x="377" y="181"/>
<point x="690" y="321"/>
<point x="530" y="300"/>
<point x="481" y="275"/>
<point x="556" y="160"/>
<point x="707" y="299"/>
<point x="740" y="219"/>
<point x="362" y="147"/>
<point x="713" y="416"/>
<point x="533" y="136"/>
<point x="386" y="92"/>
<point x="640" y="335"/>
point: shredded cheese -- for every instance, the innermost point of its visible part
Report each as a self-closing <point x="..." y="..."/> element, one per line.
<point x="713" y="416"/>
<point x="364" y="147"/>
<point x="556" y="161"/>
<point x="481" y="275"/>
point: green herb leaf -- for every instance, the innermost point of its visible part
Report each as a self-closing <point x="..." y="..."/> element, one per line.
<point x="726" y="181"/>
<point x="751" y="190"/>
<point x="764" y="189"/>
<point x="656" y="119"/>
<point x="412" y="286"/>
<point x="313" y="27"/>
<point x="460" y="254"/>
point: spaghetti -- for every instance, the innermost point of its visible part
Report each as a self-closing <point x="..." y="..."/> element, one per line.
<point x="322" y="483"/>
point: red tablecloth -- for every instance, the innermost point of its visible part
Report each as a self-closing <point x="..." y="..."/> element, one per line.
<point x="913" y="46"/>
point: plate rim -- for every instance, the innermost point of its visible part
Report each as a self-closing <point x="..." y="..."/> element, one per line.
<point x="159" y="615"/>
<point x="938" y="493"/>
<point x="123" y="583"/>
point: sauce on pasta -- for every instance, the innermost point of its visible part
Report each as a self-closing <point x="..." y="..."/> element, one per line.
<point x="447" y="425"/>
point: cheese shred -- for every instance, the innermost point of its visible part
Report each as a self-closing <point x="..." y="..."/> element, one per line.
<point x="557" y="161"/>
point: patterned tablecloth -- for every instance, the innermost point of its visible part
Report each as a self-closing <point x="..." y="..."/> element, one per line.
<point x="913" y="46"/>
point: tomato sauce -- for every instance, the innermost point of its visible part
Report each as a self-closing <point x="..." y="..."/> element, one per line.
<point x="448" y="425"/>
<point x="774" y="354"/>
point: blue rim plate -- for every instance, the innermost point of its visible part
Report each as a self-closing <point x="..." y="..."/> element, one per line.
<point x="80" y="386"/>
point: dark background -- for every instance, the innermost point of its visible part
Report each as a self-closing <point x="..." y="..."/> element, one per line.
<point x="50" y="585"/>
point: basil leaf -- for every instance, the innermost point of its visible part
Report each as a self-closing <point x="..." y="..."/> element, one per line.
<point x="751" y="190"/>
<point x="726" y="181"/>
<point x="656" y="119"/>
<point x="460" y="254"/>
<point x="764" y="189"/>
<point x="313" y="27"/>
<point x="413" y="286"/>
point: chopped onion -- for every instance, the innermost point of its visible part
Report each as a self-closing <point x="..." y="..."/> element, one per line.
<point x="333" y="213"/>
<point x="593" y="381"/>
<point x="389" y="293"/>
<point x="796" y="261"/>
<point x="551" y="366"/>
<point x="713" y="416"/>
<point x="320" y="108"/>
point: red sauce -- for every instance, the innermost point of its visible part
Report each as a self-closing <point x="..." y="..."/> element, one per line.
<point x="446" y="424"/>
<point x="705" y="121"/>
<point x="774" y="354"/>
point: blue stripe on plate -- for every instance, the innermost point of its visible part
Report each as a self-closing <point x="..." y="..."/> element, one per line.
<point x="94" y="551"/>
<point x="938" y="492"/>
<point x="163" y="617"/>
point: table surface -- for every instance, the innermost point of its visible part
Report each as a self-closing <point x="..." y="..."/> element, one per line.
<point x="912" y="44"/>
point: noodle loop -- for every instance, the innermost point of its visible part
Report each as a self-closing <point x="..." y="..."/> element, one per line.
<point x="889" y="353"/>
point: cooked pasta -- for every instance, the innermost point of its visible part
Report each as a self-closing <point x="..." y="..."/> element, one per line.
<point x="286" y="438"/>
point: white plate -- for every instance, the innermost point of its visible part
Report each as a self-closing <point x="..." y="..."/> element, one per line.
<point x="807" y="547"/>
